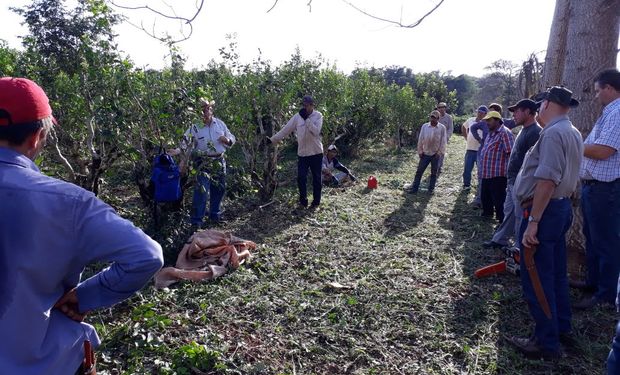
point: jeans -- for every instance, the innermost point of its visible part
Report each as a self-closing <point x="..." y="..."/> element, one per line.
<point x="550" y="259"/>
<point x="314" y="163"/>
<point x="493" y="195"/>
<point x="468" y="167"/>
<point x="613" y="360"/>
<point x="600" y="203"/>
<point x="509" y="228"/>
<point x="210" y="182"/>
<point x="425" y="160"/>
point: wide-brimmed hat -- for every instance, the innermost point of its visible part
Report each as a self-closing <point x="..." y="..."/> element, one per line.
<point x="559" y="95"/>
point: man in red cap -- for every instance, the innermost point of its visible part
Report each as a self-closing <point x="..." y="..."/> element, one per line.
<point x="49" y="231"/>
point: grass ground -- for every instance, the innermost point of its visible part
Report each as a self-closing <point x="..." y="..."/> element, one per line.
<point x="374" y="282"/>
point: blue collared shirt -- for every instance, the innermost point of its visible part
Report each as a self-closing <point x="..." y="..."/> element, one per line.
<point x="49" y="231"/>
<point x="606" y="132"/>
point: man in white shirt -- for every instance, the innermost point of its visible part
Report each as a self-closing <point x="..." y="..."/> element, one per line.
<point x="431" y="147"/>
<point x="208" y="142"/>
<point x="471" y="153"/>
<point x="306" y="124"/>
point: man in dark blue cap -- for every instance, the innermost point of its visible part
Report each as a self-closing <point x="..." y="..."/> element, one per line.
<point x="473" y="145"/>
<point x="307" y="127"/>
<point x="548" y="177"/>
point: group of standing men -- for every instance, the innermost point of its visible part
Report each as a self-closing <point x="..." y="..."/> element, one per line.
<point x="527" y="184"/>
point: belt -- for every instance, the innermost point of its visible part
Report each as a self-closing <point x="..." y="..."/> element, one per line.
<point x="528" y="202"/>
<point x="595" y="182"/>
<point x="215" y="156"/>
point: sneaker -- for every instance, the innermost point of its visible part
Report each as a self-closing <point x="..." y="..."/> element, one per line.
<point x="466" y="187"/>
<point x="407" y="186"/>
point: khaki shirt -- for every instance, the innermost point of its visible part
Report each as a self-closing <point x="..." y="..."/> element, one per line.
<point x="556" y="156"/>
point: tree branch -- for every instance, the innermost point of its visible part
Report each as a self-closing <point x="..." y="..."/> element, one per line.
<point x="397" y="23"/>
<point x="170" y="16"/>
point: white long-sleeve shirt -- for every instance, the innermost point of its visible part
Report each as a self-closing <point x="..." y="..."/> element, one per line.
<point x="207" y="137"/>
<point x="308" y="133"/>
<point x="432" y="139"/>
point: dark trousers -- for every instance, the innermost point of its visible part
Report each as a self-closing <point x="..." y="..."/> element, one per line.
<point x="425" y="160"/>
<point x="600" y="203"/>
<point x="493" y="195"/>
<point x="550" y="259"/>
<point x="314" y="163"/>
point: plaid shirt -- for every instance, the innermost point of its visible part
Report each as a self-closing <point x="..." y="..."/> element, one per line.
<point x="606" y="132"/>
<point x="495" y="152"/>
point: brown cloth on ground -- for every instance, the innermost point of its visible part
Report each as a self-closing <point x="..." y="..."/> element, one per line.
<point x="205" y="257"/>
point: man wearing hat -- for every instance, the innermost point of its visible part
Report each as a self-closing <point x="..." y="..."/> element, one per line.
<point x="331" y="163"/>
<point x="207" y="142"/>
<point x="548" y="177"/>
<point x="50" y="230"/>
<point x="524" y="113"/>
<point x="600" y="198"/>
<point x="431" y="147"/>
<point x="307" y="127"/>
<point x="494" y="156"/>
<point x="472" y="145"/>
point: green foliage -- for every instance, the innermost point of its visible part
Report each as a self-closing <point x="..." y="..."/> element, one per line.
<point x="194" y="356"/>
<point x="114" y="116"/>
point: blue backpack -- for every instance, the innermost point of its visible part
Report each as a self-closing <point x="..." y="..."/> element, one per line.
<point x="166" y="179"/>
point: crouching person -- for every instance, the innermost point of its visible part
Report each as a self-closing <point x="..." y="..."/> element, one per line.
<point x="49" y="231"/>
<point x="330" y="164"/>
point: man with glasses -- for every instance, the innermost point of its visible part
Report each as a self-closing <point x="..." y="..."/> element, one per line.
<point x="431" y="147"/>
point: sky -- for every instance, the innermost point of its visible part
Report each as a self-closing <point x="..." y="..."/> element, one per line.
<point x="460" y="37"/>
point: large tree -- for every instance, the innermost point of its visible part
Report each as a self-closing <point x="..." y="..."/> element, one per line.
<point x="583" y="41"/>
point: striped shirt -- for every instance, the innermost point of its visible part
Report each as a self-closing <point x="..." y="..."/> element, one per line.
<point x="495" y="152"/>
<point x="606" y="132"/>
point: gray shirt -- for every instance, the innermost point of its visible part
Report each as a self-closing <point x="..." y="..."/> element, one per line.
<point x="446" y="120"/>
<point x="556" y="156"/>
<point x="525" y="140"/>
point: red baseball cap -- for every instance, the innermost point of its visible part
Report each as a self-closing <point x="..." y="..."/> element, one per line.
<point x="22" y="101"/>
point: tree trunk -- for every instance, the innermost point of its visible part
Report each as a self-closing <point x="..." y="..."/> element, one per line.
<point x="556" y="47"/>
<point x="590" y="46"/>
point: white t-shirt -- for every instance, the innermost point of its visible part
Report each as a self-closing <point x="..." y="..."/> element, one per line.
<point x="472" y="143"/>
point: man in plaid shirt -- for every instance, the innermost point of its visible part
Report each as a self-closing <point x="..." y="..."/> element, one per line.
<point x="495" y="154"/>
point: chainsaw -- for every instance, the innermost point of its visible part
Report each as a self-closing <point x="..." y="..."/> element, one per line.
<point x="510" y="264"/>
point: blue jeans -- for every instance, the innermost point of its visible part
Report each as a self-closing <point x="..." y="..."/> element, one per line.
<point x="425" y="160"/>
<point x="613" y="360"/>
<point x="312" y="162"/>
<point x="550" y="259"/>
<point x="211" y="183"/>
<point x="600" y="203"/>
<point x="470" y="160"/>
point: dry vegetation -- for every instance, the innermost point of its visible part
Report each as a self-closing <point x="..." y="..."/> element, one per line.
<point x="374" y="282"/>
